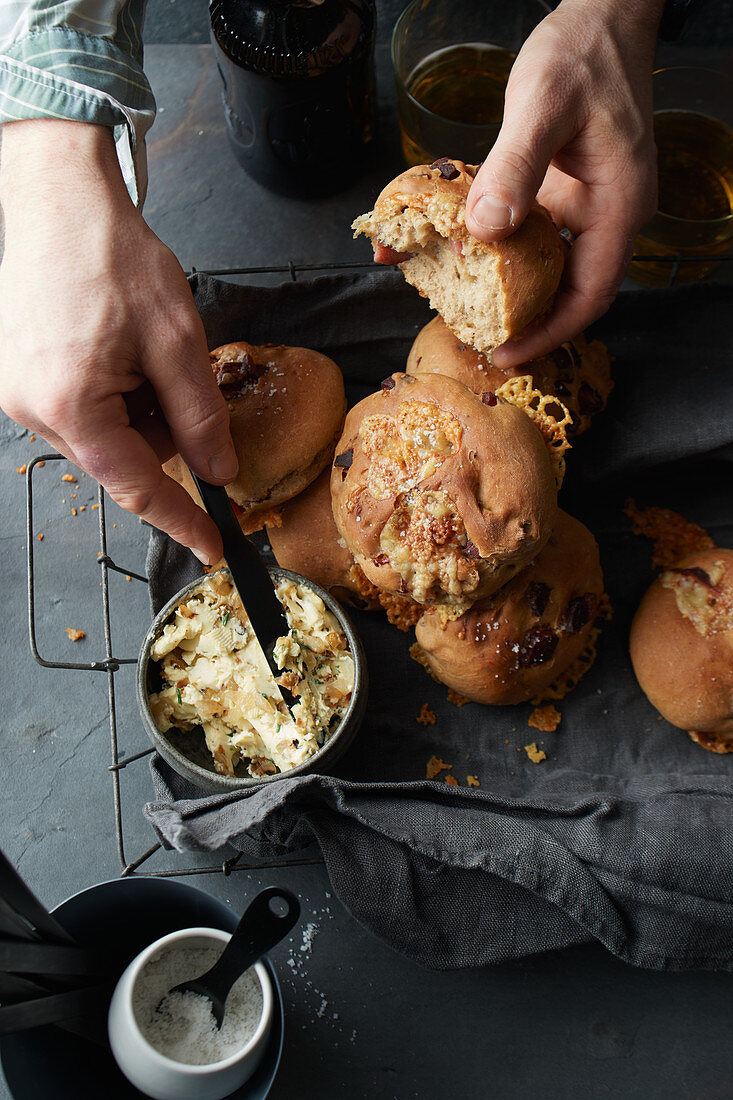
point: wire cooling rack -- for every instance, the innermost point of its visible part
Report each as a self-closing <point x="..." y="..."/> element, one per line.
<point x="109" y="664"/>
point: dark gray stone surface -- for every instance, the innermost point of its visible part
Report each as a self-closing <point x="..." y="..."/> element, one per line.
<point x="361" y="1021"/>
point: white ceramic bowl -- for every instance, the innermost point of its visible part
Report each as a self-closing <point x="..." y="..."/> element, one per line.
<point x="152" y="1072"/>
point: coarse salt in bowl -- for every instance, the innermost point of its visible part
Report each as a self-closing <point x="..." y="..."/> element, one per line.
<point x="173" y="1053"/>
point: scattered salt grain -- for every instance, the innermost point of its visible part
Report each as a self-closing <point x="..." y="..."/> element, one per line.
<point x="309" y="933"/>
<point x="183" y="1027"/>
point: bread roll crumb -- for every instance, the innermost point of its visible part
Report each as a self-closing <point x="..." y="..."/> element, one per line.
<point x="536" y="755"/>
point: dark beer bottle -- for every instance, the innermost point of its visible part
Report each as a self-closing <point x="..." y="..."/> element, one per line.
<point x="298" y="91"/>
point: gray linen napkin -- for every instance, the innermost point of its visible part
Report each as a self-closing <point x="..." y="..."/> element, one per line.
<point x="624" y="833"/>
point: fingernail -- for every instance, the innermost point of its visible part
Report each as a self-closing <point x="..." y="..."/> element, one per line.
<point x="224" y="465"/>
<point x="491" y="213"/>
<point x="203" y="558"/>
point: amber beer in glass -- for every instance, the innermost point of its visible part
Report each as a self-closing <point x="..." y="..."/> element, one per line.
<point x="451" y="63"/>
<point x="694" y="139"/>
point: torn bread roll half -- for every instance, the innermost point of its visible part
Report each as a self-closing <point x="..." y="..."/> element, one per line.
<point x="487" y="293"/>
<point x="530" y="636"/>
<point x="440" y="494"/>
<point x="682" y="647"/>
<point x="287" y="407"/>
<point x="578" y="372"/>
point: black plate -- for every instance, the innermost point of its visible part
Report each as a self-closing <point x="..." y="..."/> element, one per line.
<point x="124" y="915"/>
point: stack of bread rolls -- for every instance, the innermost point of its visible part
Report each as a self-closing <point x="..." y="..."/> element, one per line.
<point x="442" y="503"/>
<point x="436" y="499"/>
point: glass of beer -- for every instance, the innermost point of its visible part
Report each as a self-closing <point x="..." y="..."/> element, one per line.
<point x="693" y="131"/>
<point x="451" y="61"/>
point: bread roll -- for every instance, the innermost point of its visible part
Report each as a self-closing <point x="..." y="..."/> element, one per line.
<point x="511" y="646"/>
<point x="578" y="372"/>
<point x="440" y="494"/>
<point x="682" y="647"/>
<point x="307" y="542"/>
<point x="487" y="293"/>
<point x="287" y="407"/>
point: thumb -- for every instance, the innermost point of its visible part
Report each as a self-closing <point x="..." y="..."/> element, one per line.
<point x="507" y="182"/>
<point x="194" y="409"/>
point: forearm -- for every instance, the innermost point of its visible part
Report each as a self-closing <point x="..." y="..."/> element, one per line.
<point x="81" y="61"/>
<point x="57" y="161"/>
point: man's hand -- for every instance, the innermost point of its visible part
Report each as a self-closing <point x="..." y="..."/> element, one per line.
<point x="577" y="133"/>
<point x="102" y="351"/>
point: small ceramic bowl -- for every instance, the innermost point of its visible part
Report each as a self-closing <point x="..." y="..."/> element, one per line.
<point x="186" y="752"/>
<point x="120" y="918"/>
<point x="154" y="1073"/>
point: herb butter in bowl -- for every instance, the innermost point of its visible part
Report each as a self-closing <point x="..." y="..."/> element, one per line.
<point x="209" y="701"/>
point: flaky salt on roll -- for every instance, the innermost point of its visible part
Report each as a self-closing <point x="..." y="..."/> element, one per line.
<point x="512" y="646"/>
<point x="287" y="407"/>
<point x="682" y="647"/>
<point x="440" y="494"/>
<point x="487" y="293"/>
<point x="578" y="372"/>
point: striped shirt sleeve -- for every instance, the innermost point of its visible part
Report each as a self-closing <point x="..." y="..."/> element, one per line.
<point x="79" y="60"/>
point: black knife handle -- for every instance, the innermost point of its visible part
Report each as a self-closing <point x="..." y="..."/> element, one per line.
<point x="55" y="1008"/>
<point x="16" y="894"/>
<point x="218" y="505"/>
<point x="21" y="957"/>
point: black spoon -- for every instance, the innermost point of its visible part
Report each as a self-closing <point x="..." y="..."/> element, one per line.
<point x="259" y="929"/>
<point x="249" y="573"/>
